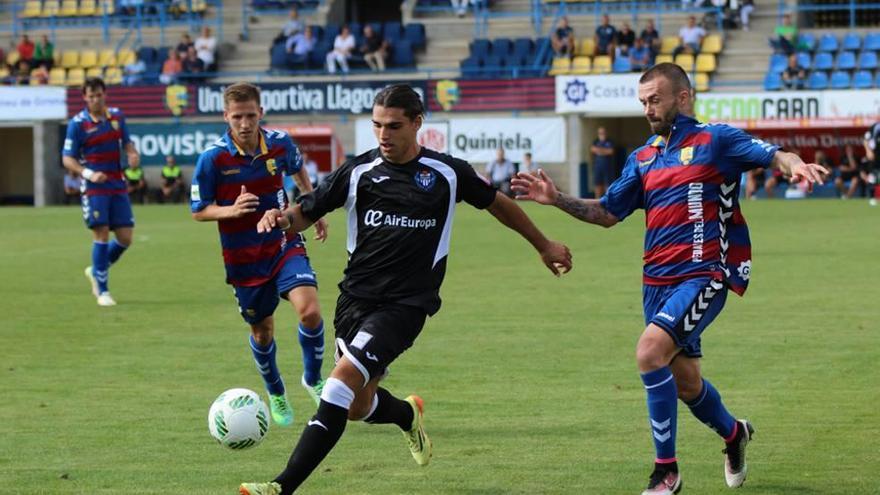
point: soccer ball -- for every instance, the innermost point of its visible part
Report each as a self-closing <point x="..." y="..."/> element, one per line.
<point x="238" y="419"/>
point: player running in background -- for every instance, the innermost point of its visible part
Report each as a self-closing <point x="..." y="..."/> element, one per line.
<point x="696" y="248"/>
<point x="400" y="199"/>
<point x="237" y="179"/>
<point x="92" y="147"/>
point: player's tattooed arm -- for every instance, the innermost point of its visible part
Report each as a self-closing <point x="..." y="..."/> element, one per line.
<point x="587" y="210"/>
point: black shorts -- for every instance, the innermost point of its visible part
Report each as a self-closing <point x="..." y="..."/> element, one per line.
<point x="372" y="334"/>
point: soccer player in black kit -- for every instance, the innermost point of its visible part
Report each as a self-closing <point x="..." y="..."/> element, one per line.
<point x="400" y="199"/>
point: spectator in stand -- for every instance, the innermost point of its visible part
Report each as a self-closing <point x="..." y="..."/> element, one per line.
<point x="298" y="48"/>
<point x="640" y="56"/>
<point x="293" y="25"/>
<point x="40" y="74"/>
<point x="604" y="170"/>
<point x="72" y="184"/>
<point x="460" y="7"/>
<point x="171" y="68"/>
<point x="651" y="38"/>
<point x="26" y="49"/>
<point x="183" y="47"/>
<point x="745" y="12"/>
<point x="135" y="183"/>
<point x="44" y="53"/>
<point x="625" y="40"/>
<point x="562" y="39"/>
<point x="786" y="35"/>
<point x="129" y="7"/>
<point x="172" y="181"/>
<point x="794" y="76"/>
<point x="22" y="73"/>
<point x="133" y="73"/>
<point x="500" y="171"/>
<point x="193" y="67"/>
<point x="690" y="37"/>
<point x="343" y="45"/>
<point x="206" y="49"/>
<point x="605" y="35"/>
<point x="374" y="49"/>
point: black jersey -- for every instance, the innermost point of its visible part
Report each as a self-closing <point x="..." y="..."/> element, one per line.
<point x="399" y="222"/>
<point x="872" y="136"/>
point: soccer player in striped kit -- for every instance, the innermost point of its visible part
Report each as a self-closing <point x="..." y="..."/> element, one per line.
<point x="92" y="147"/>
<point x="237" y="179"/>
<point x="686" y="178"/>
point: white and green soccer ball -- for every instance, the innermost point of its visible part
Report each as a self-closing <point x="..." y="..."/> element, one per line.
<point x="238" y="419"/>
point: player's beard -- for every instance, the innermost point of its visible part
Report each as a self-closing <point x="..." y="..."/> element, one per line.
<point x="662" y="127"/>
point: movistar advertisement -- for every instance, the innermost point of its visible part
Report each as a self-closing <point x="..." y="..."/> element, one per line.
<point x="183" y="141"/>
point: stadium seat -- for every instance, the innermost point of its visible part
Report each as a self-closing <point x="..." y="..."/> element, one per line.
<point x="33" y="80"/>
<point x="107" y="57"/>
<point x="415" y="33"/>
<point x="470" y="67"/>
<point x="113" y="75"/>
<point x="147" y="54"/>
<point x="803" y="60"/>
<point x="95" y="72"/>
<point x="517" y="65"/>
<point x="851" y="42"/>
<point x="685" y="61"/>
<point x="846" y="61"/>
<point x="840" y="80"/>
<point x="318" y="55"/>
<point x="702" y="81"/>
<point x="602" y="64"/>
<point x="806" y="41"/>
<point x="493" y="67"/>
<point x="75" y="77"/>
<point x="501" y="47"/>
<point x="663" y="58"/>
<point x="712" y="44"/>
<point x="480" y="48"/>
<point x="318" y="33"/>
<point x="586" y="47"/>
<point x="581" y="65"/>
<point x="51" y="8"/>
<point x="772" y="82"/>
<point x="778" y="63"/>
<point x="863" y="80"/>
<point x="706" y="62"/>
<point x="668" y="44"/>
<point x="88" y="59"/>
<point x="70" y="59"/>
<point x="32" y="8"/>
<point x="107" y="7"/>
<point x="523" y="47"/>
<point x="872" y="41"/>
<point x="877" y="80"/>
<point x="561" y="66"/>
<point x="622" y="64"/>
<point x="4" y="73"/>
<point x="330" y="33"/>
<point x="57" y="76"/>
<point x="403" y="54"/>
<point x="393" y="31"/>
<point x="868" y="60"/>
<point x="69" y="8"/>
<point x="198" y="6"/>
<point x="12" y="58"/>
<point x="818" y="80"/>
<point x="823" y="61"/>
<point x="87" y="8"/>
<point x="126" y="56"/>
<point x="828" y="43"/>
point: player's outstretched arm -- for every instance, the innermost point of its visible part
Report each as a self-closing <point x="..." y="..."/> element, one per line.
<point x="556" y="256"/>
<point x="291" y="218"/>
<point x="541" y="189"/>
<point x="792" y="165"/>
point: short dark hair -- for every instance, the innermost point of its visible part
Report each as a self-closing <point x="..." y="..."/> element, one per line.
<point x="241" y="92"/>
<point x="674" y="73"/>
<point x="401" y="96"/>
<point x="93" y="83"/>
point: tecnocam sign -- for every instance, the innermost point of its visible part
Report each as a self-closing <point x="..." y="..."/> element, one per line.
<point x="722" y="107"/>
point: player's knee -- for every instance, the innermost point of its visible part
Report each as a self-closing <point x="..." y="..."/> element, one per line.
<point x="649" y="357"/>
<point x="262" y="332"/>
<point x="310" y="316"/>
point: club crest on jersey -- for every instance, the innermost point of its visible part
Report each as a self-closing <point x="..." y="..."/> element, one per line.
<point x="270" y="166"/>
<point x="425" y="179"/>
<point x="115" y="124"/>
<point x="686" y="155"/>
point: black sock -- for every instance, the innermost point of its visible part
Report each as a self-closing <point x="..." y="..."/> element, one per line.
<point x="391" y="410"/>
<point x="316" y="441"/>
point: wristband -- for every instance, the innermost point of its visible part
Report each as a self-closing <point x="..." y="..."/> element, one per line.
<point x="87" y="174"/>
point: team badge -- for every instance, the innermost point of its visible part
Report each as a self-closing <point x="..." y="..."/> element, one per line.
<point x="176" y="99"/>
<point x="270" y="166"/>
<point x="686" y="155"/>
<point x="447" y="93"/>
<point x="114" y="124"/>
<point x="425" y="179"/>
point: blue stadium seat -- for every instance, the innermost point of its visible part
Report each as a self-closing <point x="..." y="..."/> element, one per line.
<point x="877" y="80"/>
<point x="516" y="64"/>
<point x="470" y="68"/>
<point x="543" y="53"/>
<point x="357" y="30"/>
<point x="622" y="64"/>
<point x="806" y="41"/>
<point x="828" y="43"/>
<point x="278" y="56"/>
<point x="330" y="33"/>
<point x="377" y="28"/>
<point x="823" y="61"/>
<point x="840" y="80"/>
<point x="480" y="49"/>
<point x="403" y="54"/>
<point x="846" y="61"/>
<point x="872" y="41"/>
<point x="868" y="60"/>
<point x="501" y="47"/>
<point x="493" y="67"/>
<point x="818" y="80"/>
<point x="803" y="60"/>
<point x="393" y="31"/>
<point x="863" y="80"/>
<point x="415" y="33"/>
<point x="147" y="54"/>
<point x="778" y="63"/>
<point x="318" y="55"/>
<point x="523" y="46"/>
<point x="317" y="33"/>
<point x="772" y="81"/>
<point x="851" y="42"/>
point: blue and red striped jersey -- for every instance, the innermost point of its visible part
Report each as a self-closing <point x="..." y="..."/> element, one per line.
<point x="251" y="259"/>
<point x="689" y="188"/>
<point x="99" y="144"/>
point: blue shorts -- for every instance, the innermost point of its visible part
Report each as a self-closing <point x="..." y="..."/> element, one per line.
<point x="684" y="310"/>
<point x="113" y="210"/>
<point x="256" y="303"/>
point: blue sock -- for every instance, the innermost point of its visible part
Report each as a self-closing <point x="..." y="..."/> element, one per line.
<point x="100" y="264"/>
<point x="265" y="359"/>
<point x="662" y="411"/>
<point x="116" y="250"/>
<point x="709" y="409"/>
<point x="312" y="342"/>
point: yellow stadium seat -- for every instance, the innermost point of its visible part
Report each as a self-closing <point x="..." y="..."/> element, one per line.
<point x="125" y="57"/>
<point x="88" y="58"/>
<point x="4" y="72"/>
<point x="33" y="80"/>
<point x="685" y="61"/>
<point x="702" y="81"/>
<point x="668" y="43"/>
<point x="706" y="62"/>
<point x="602" y="64"/>
<point x="95" y="72"/>
<point x="12" y="58"/>
<point x="68" y="8"/>
<point x="32" y="8"/>
<point x="712" y="44"/>
<point x="587" y="47"/>
<point x="198" y="6"/>
<point x="113" y="75"/>
<point x="664" y="58"/>
<point x="107" y="58"/>
<point x="70" y="59"/>
<point x="57" y="76"/>
<point x="561" y="66"/>
<point x="88" y="7"/>
<point x="581" y="65"/>
<point x="51" y="8"/>
<point x="76" y="77"/>
<point x="106" y="7"/>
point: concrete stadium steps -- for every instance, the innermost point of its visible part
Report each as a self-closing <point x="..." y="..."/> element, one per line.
<point x="743" y="63"/>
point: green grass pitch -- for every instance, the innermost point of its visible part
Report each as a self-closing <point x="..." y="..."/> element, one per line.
<point x="529" y="381"/>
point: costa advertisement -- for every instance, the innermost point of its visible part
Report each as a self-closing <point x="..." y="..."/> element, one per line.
<point x="609" y="95"/>
<point x="450" y="95"/>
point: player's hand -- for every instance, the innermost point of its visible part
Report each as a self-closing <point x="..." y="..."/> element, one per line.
<point x="98" y="178"/>
<point x="321" y="230"/>
<point x="245" y="203"/>
<point x="273" y="219"/>
<point x="810" y="172"/>
<point x="134" y="158"/>
<point x="556" y="256"/>
<point x="535" y="187"/>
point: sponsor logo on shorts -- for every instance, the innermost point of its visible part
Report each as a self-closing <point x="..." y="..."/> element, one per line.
<point x="307" y="276"/>
<point x="360" y="340"/>
<point x="665" y="316"/>
<point x="371" y="356"/>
